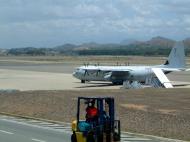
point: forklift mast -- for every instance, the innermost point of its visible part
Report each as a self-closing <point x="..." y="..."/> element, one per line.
<point x="104" y="125"/>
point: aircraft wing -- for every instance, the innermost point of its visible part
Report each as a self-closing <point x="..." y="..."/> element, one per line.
<point x="162" y="77"/>
<point x="175" y="69"/>
<point x="114" y="70"/>
<point x="102" y="68"/>
<point x="117" y="74"/>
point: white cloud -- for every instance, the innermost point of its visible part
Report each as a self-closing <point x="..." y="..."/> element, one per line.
<point x="81" y="20"/>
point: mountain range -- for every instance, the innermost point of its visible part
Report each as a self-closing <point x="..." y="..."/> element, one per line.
<point x="158" y="44"/>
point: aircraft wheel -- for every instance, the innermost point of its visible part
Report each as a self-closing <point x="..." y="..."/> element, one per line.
<point x="90" y="137"/>
<point x="114" y="83"/>
<point x="116" y="137"/>
<point x="118" y="83"/>
<point x="82" y="81"/>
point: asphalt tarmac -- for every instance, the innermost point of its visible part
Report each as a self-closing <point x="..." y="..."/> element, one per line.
<point x="29" y="76"/>
<point x="14" y="129"/>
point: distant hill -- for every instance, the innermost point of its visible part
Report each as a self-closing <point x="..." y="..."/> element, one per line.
<point x="187" y="42"/>
<point x="155" y="42"/>
<point x="128" y="41"/>
<point x="161" y="42"/>
<point x="66" y="49"/>
<point x="67" y="46"/>
<point x="155" y="46"/>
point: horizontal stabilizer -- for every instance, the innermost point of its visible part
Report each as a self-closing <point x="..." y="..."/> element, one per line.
<point x="172" y="69"/>
<point x="162" y="78"/>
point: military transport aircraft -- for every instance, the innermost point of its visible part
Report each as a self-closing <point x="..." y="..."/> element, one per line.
<point x="119" y="74"/>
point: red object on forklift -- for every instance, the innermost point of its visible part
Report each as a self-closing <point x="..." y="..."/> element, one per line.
<point x="91" y="112"/>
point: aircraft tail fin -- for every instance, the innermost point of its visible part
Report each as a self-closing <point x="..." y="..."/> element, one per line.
<point x="176" y="58"/>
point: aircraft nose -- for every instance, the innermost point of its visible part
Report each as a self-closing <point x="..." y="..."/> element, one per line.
<point x="78" y="74"/>
<point x="74" y="73"/>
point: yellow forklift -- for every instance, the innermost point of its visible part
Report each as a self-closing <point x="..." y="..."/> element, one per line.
<point x="98" y="122"/>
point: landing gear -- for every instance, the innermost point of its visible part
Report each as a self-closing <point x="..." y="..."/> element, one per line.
<point x="117" y="82"/>
<point x="82" y="81"/>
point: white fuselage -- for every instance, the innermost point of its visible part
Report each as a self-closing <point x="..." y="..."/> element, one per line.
<point x="102" y="73"/>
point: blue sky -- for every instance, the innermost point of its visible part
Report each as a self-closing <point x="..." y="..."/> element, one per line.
<point x="49" y="23"/>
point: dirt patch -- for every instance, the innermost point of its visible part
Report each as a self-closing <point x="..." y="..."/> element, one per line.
<point x="167" y="110"/>
<point x="135" y="107"/>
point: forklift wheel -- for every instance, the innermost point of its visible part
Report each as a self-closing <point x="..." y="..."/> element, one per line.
<point x="73" y="138"/>
<point x="116" y="137"/>
<point x="90" y="138"/>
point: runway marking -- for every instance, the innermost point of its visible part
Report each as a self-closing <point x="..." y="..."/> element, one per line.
<point x="37" y="140"/>
<point x="6" y="132"/>
<point x="32" y="125"/>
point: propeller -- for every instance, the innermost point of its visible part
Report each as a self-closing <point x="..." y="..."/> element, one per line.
<point x="108" y="76"/>
<point x="86" y="73"/>
<point x="86" y="64"/>
<point x="98" y="72"/>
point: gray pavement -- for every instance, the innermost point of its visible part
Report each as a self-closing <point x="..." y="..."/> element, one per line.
<point x="14" y="131"/>
<point x="27" y="130"/>
<point x="69" y="68"/>
<point x="54" y="68"/>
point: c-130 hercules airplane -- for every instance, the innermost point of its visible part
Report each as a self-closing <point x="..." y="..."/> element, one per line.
<point x="119" y="74"/>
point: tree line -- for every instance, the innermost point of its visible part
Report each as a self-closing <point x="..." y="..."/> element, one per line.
<point x="117" y="50"/>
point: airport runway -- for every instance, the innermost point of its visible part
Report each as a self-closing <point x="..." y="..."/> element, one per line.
<point x="14" y="131"/>
<point x="33" y="80"/>
<point x="26" y="76"/>
<point x="27" y="130"/>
